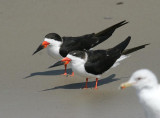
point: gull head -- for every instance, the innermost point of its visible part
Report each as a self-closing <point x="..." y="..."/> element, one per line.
<point x="141" y="79"/>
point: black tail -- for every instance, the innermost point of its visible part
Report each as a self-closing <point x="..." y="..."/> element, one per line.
<point x="120" y="47"/>
<point x="128" y="51"/>
<point x="109" y="31"/>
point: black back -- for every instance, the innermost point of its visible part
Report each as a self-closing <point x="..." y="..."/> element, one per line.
<point x="77" y="53"/>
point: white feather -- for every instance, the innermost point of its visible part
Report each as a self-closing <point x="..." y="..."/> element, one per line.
<point x="120" y="59"/>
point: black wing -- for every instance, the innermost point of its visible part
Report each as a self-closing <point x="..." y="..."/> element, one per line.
<point x="88" y="41"/>
<point x="102" y="35"/>
<point x="74" y="43"/>
<point x="100" y="61"/>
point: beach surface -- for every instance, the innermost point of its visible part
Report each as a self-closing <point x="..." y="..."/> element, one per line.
<point x="28" y="89"/>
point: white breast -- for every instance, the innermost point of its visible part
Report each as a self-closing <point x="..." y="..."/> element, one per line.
<point x="79" y="69"/>
<point x="53" y="51"/>
<point x="150" y="102"/>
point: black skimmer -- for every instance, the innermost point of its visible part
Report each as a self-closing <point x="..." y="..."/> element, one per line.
<point x="59" y="47"/>
<point x="93" y="63"/>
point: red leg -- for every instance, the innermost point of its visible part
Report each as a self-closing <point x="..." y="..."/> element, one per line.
<point x="65" y="71"/>
<point x="72" y="74"/>
<point x="96" y="84"/>
<point x="86" y="84"/>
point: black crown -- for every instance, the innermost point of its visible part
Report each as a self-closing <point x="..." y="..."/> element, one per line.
<point x="53" y="36"/>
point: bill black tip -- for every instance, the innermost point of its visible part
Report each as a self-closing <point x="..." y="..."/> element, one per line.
<point x="33" y="53"/>
<point x="38" y="49"/>
<point x="59" y="63"/>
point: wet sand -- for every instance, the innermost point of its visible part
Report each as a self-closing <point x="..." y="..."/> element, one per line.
<point x="29" y="90"/>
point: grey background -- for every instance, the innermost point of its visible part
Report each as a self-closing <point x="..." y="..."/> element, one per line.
<point x="23" y="25"/>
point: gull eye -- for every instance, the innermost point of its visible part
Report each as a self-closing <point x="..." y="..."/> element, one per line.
<point x="139" y="78"/>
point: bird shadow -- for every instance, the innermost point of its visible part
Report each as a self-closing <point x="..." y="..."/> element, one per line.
<point x="101" y="82"/>
<point x="49" y="73"/>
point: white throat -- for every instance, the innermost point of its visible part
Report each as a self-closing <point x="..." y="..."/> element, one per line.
<point x="53" y="48"/>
